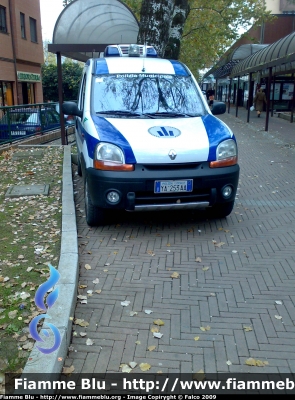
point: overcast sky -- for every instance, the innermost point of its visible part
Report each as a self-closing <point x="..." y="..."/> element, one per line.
<point x="50" y="10"/>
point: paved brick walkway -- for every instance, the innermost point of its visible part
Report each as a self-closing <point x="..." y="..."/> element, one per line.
<point x="246" y="265"/>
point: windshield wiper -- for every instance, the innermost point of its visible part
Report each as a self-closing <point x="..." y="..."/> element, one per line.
<point x="171" y="115"/>
<point x="120" y="112"/>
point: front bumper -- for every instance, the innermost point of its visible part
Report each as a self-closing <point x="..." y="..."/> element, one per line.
<point x="136" y="188"/>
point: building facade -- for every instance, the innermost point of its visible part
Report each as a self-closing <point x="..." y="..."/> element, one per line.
<point x="21" y="52"/>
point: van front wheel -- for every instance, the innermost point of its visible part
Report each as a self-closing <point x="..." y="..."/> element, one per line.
<point x="94" y="215"/>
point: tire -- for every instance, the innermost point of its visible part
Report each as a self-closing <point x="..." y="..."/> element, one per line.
<point x="221" y="210"/>
<point x="94" y="215"/>
<point x="79" y="166"/>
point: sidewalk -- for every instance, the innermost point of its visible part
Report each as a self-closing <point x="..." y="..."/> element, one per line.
<point x="232" y="297"/>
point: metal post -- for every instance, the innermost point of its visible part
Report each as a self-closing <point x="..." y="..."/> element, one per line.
<point x="229" y="94"/>
<point x="267" y="98"/>
<point x="237" y="97"/>
<point x="273" y="94"/>
<point x="60" y="99"/>
<point x="293" y="102"/>
<point x="250" y="97"/>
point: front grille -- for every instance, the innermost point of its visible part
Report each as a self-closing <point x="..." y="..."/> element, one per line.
<point x="171" y="167"/>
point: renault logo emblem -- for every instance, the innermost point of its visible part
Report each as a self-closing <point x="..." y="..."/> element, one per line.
<point x="172" y="154"/>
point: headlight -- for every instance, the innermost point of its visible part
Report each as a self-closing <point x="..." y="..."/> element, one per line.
<point x="226" y="154"/>
<point x="109" y="152"/>
<point x="109" y="157"/>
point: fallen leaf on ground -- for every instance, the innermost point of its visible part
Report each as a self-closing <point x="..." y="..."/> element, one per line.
<point x="125" y="303"/>
<point x="98" y="291"/>
<point x="255" y="363"/>
<point x="219" y="244"/>
<point x="126" y="369"/>
<point x="89" y="342"/>
<point x="144" y="366"/>
<point x="278" y="302"/>
<point x="205" y="268"/>
<point x="278" y="317"/>
<point x="148" y="311"/>
<point x="198" y="259"/>
<point x="138" y="342"/>
<point x="133" y="364"/>
<point x="12" y="314"/>
<point x="205" y="328"/>
<point x="132" y="313"/>
<point x="82" y="334"/>
<point x="159" y="322"/>
<point x="155" y="329"/>
<point x="199" y="376"/>
<point x="151" y="348"/>
<point x="68" y="370"/>
<point x="81" y="322"/>
<point x="95" y="281"/>
<point x="87" y="266"/>
<point x="247" y="328"/>
<point x="157" y="335"/>
<point x="175" y="275"/>
<point x="196" y="338"/>
<point x="229" y="362"/>
<point x="28" y="346"/>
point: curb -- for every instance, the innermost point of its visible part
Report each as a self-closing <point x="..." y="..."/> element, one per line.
<point x="63" y="309"/>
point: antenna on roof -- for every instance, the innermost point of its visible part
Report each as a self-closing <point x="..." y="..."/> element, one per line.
<point x="144" y="55"/>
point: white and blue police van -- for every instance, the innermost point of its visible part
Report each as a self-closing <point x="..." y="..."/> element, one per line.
<point x="147" y="139"/>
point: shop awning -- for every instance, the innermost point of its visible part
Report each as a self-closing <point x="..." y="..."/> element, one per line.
<point x="226" y="64"/>
<point x="279" y="55"/>
<point x="85" y="28"/>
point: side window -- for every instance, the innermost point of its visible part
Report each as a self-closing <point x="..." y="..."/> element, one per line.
<point x="22" y="25"/>
<point x="3" y="24"/>
<point x="82" y="93"/>
<point x="33" y="30"/>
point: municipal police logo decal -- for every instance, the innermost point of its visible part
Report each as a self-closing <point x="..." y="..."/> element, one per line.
<point x="164" y="131"/>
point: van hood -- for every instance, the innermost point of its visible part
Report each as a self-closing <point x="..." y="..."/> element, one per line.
<point x="166" y="140"/>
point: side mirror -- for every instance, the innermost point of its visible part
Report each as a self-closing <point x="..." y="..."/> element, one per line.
<point x="218" y="107"/>
<point x="71" y="108"/>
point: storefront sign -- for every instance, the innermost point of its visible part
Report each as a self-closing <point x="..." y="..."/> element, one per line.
<point x="28" y="77"/>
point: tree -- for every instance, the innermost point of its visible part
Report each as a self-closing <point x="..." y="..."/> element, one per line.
<point x="71" y="71"/>
<point x="208" y="25"/>
<point x="195" y="31"/>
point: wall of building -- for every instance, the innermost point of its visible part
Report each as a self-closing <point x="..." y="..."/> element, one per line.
<point x="18" y="54"/>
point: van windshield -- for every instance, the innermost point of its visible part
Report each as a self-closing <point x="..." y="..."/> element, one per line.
<point x="146" y="94"/>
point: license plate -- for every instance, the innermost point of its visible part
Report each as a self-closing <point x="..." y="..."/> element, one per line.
<point x="173" y="186"/>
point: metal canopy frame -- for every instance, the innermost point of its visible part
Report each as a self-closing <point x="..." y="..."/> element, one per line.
<point x="276" y="59"/>
<point x="99" y="23"/>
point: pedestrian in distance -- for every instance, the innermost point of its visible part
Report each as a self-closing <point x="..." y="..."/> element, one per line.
<point x="259" y="100"/>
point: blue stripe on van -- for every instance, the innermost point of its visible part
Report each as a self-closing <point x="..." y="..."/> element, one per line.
<point x="178" y="68"/>
<point x="217" y="132"/>
<point x="101" y="67"/>
<point x="108" y="133"/>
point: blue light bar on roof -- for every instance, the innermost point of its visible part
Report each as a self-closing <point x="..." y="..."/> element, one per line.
<point x="129" y="50"/>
